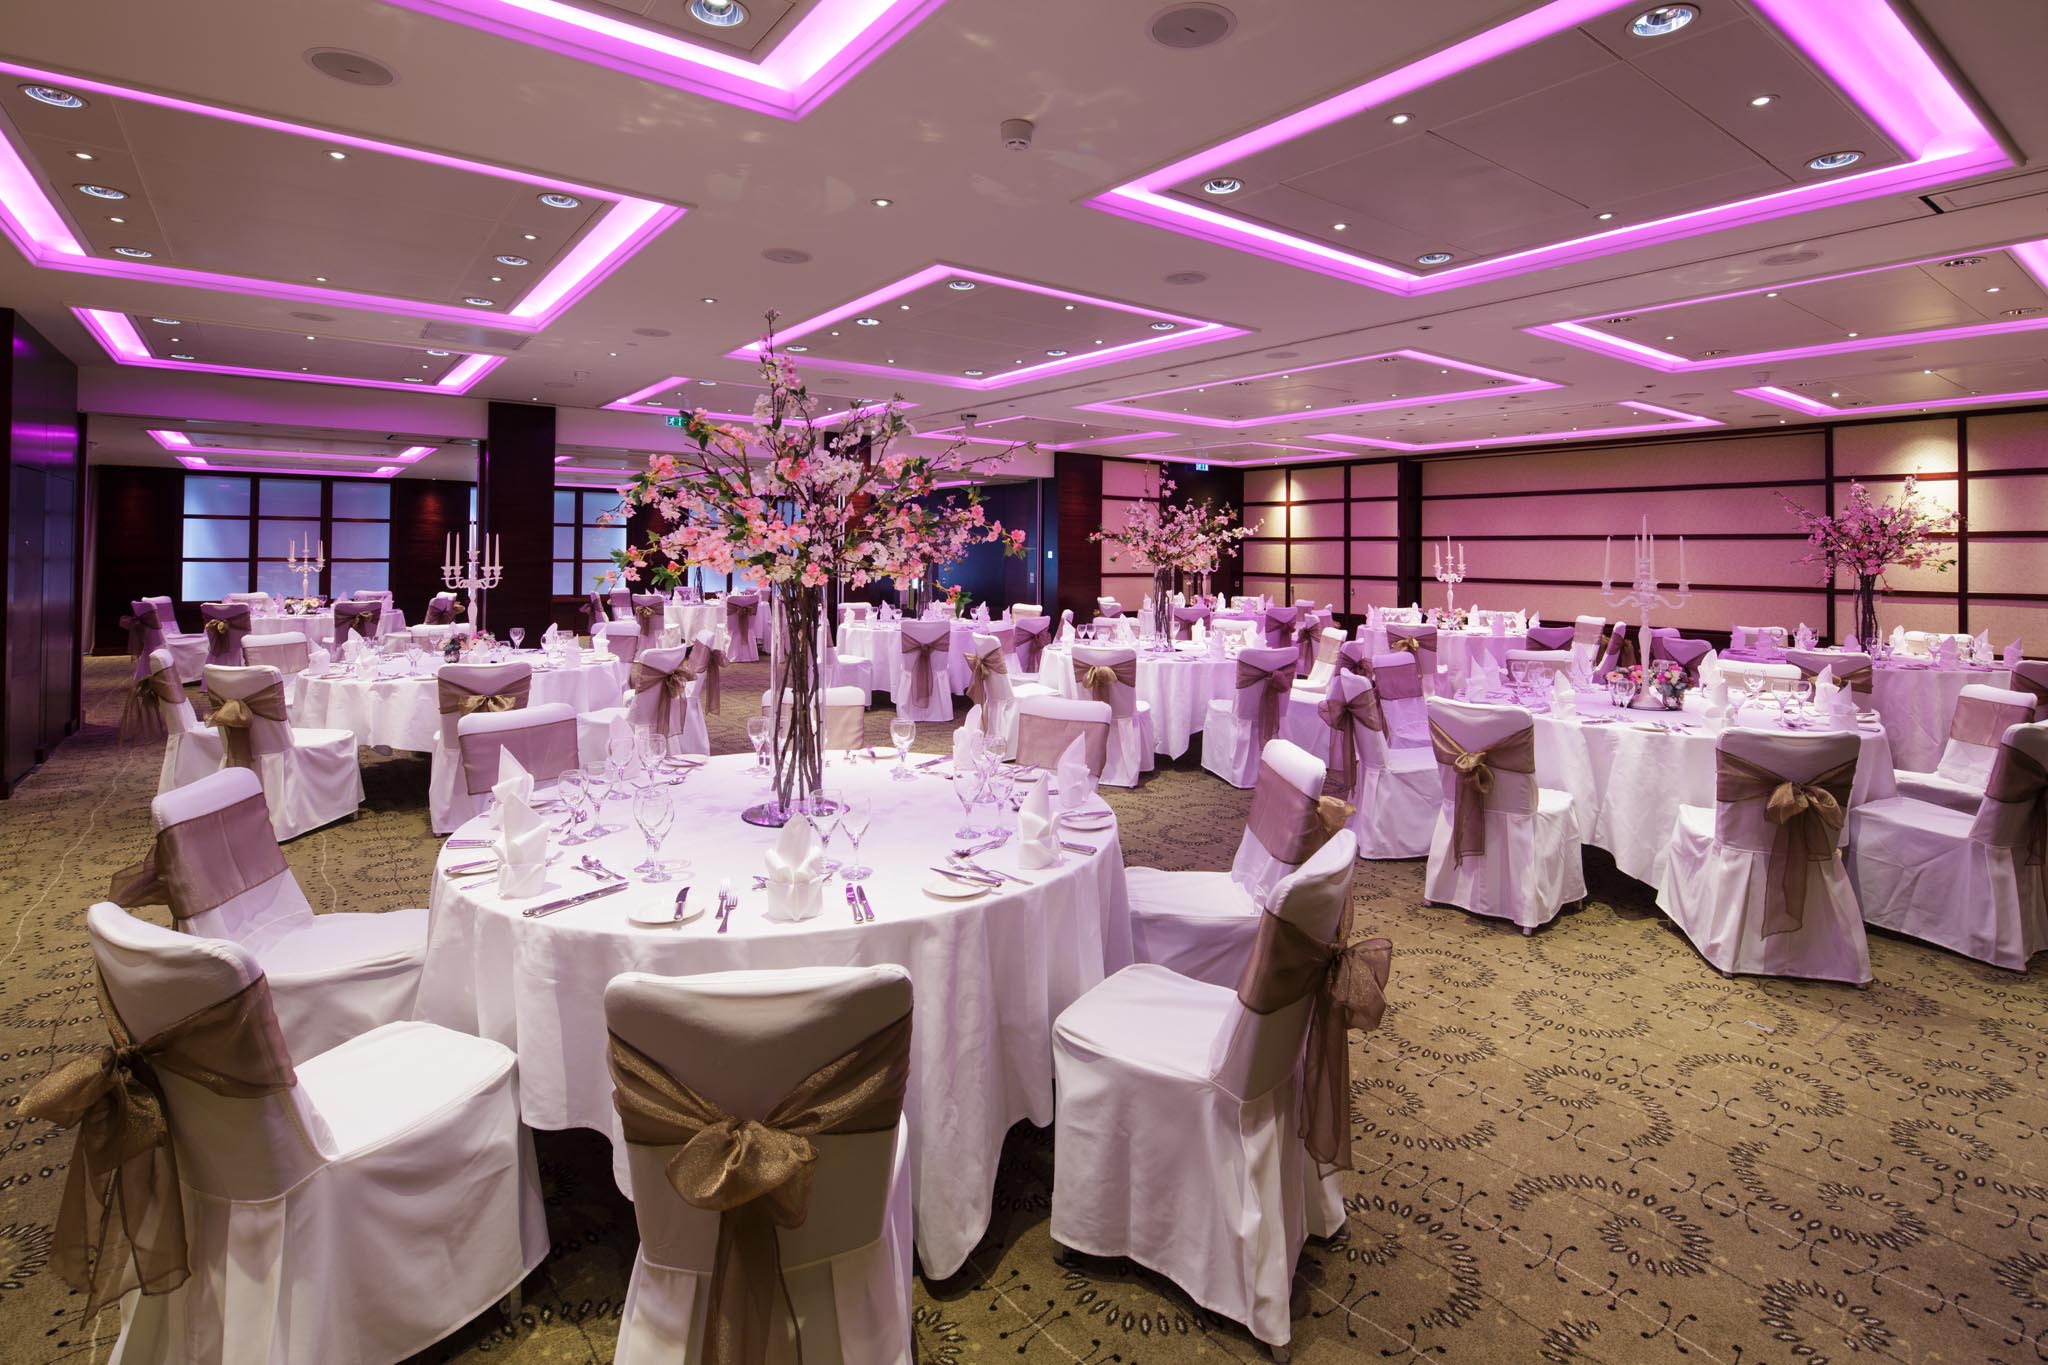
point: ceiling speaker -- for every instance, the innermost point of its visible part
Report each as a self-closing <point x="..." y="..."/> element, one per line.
<point x="1192" y="26"/>
<point x="352" y="67"/>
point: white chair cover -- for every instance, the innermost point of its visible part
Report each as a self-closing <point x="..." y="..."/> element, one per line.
<point x="384" y="1199"/>
<point x="310" y="777"/>
<point x="595" y="730"/>
<point x="1201" y="924"/>
<point x="1586" y="630"/>
<point x="1176" y="1142"/>
<point x="1758" y="639"/>
<point x="188" y="648"/>
<point x="1130" y="728"/>
<point x="742" y="1041"/>
<point x="745" y="618"/>
<point x="1328" y="641"/>
<point x="191" y="750"/>
<point x="1021" y="610"/>
<point x="1231" y="738"/>
<point x="1396" y="792"/>
<point x="938" y="703"/>
<point x="1538" y="665"/>
<point x="1718" y="878"/>
<point x="622" y="638"/>
<point x="1531" y="864"/>
<point x="290" y="653"/>
<point x="1425" y="651"/>
<point x="1047" y="724"/>
<point x="449" y="804"/>
<point x="1982" y="716"/>
<point x="543" y="738"/>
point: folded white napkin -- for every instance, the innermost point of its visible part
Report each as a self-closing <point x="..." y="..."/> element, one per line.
<point x="1563" y="700"/>
<point x="1898" y="639"/>
<point x="1802" y="638"/>
<point x="514" y="782"/>
<point x="601" y="646"/>
<point x="1946" y="654"/>
<point x="522" y="844"/>
<point x="967" y="742"/>
<point x="1077" y="784"/>
<point x="2014" y="654"/>
<point x="351" y="648"/>
<point x="1038" y="835"/>
<point x="547" y="637"/>
<point x="1533" y="621"/>
<point x="1983" y="646"/>
<point x="1500" y="624"/>
<point x="796" y="872"/>
<point x="1709" y="668"/>
<point x="317" y="658"/>
<point x="1851" y="644"/>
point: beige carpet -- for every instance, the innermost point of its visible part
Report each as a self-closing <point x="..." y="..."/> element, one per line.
<point x="1582" y="1146"/>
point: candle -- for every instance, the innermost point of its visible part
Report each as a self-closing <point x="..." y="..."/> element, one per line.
<point x="1607" y="564"/>
<point x="1683" y="581"/>
<point x="1439" y="556"/>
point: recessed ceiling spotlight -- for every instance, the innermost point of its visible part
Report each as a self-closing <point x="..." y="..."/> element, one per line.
<point x="1713" y="353"/>
<point x="1772" y="294"/>
<point x="1855" y="334"/>
<point x="83" y="156"/>
<point x="133" y="252"/>
<point x="1994" y="289"/>
<point x="1834" y="161"/>
<point x="974" y="374"/>
<point x="319" y="279"/>
<point x="338" y="156"/>
<point x="2019" y="312"/>
<point x="529" y="237"/>
<point x="718" y="13"/>
<point x="478" y="301"/>
<point x="1056" y="352"/>
<point x="1163" y="326"/>
<point x="1433" y="258"/>
<point x="707" y="299"/>
<point x="903" y="307"/>
<point x="1339" y="227"/>
<point x="708" y="383"/>
<point x="52" y="96"/>
<point x="1398" y="119"/>
<point x="1662" y="21"/>
<point x="1610" y="322"/>
<point x="962" y="285"/>
<point x="309" y="336"/>
<point x="1605" y="217"/>
<point x="798" y="349"/>
<point x="561" y="201"/>
<point x="1956" y="261"/>
<point x="1222" y="184"/>
<point x="101" y="191"/>
<point x="167" y="322"/>
<point x="881" y="203"/>
<point x="437" y="353"/>
<point x="867" y="322"/>
<point x="497" y="279"/>
<point x="513" y="260"/>
<point x="412" y="379"/>
<point x="117" y="220"/>
<point x="1759" y="101"/>
<point x="182" y="356"/>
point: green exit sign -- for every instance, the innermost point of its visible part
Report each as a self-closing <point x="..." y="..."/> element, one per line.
<point x="676" y="419"/>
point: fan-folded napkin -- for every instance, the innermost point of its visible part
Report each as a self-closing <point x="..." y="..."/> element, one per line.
<point x="1038" y="835"/>
<point x="1564" y="701"/>
<point x="796" y="872"/>
<point x="1077" y="784"/>
<point x="967" y="742"/>
<point x="522" y="834"/>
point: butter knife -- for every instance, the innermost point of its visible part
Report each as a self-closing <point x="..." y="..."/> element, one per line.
<point x="965" y="877"/>
<point x="852" y="904"/>
<point x="866" y="904"/>
<point x="539" y="911"/>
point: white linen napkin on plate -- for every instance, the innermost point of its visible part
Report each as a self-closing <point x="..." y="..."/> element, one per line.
<point x="1981" y="652"/>
<point x="1038" y="835"/>
<point x="967" y="742"/>
<point x="1852" y="645"/>
<point x="1802" y="638"/>
<point x="1564" y="701"/>
<point x="1898" y="639"/>
<point x="1485" y="677"/>
<point x="1500" y="624"/>
<point x="1709" y="668"/>
<point x="796" y="872"/>
<point x="601" y="646"/>
<point x="522" y="843"/>
<point x="547" y="637"/>
<point x="2014" y="654"/>
<point x="1946" y="654"/>
<point x="1077" y="784"/>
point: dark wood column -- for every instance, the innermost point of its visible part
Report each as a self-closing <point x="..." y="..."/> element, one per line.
<point x="515" y="469"/>
<point x="424" y="513"/>
<point x="1075" y="577"/>
<point x="1408" y="526"/>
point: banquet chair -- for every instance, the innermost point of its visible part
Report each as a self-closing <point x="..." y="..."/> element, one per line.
<point x="1975" y="735"/>
<point x="1279" y="625"/>
<point x="1184" y="619"/>
<point x="257" y="602"/>
<point x="188" y="648"/>
<point x="664" y="692"/>
<point x="145" y="627"/>
<point x="1963" y="880"/>
<point x="1235" y="729"/>
<point x="1201" y="924"/>
<point x="619" y="604"/>
<point x="1765" y="898"/>
<point x="1108" y="607"/>
<point x="2031" y="677"/>
<point x="1537" y="665"/>
<point x="352" y="1208"/>
<point x="440" y="610"/>
<point x="1393" y="792"/>
<point x="1849" y="670"/>
<point x="855" y="611"/>
<point x="219" y="869"/>
<point x="226" y="624"/>
<point x="1065" y="634"/>
<point x="689" y="1053"/>
<point x="359" y="619"/>
<point x="1398" y="680"/>
<point x="1555" y="637"/>
<point x="650" y="614"/>
<point x="1617" y="652"/>
<point x="924" y="685"/>
<point x="389" y="617"/>
<point x="1776" y="677"/>
<point x="1323" y="664"/>
<point x="991" y="686"/>
<point x="1047" y="725"/>
<point x="1110" y="674"/>
<point x="465" y="690"/>
<point x="742" y="626"/>
<point x="1021" y="610"/>
<point x="842" y="722"/>
<point x="1423" y="647"/>
<point x="849" y="670"/>
<point x="542" y="738"/>
<point x="310" y="777"/>
<point x="290" y="653"/>
<point x="1586" y="630"/>
<point x="1667" y="643"/>
<point x="1758" y="639"/>
<point x="1507" y="848"/>
<point x="621" y="639"/>
<point x="1033" y="634"/>
<point x="191" y="750"/>
<point x="1178" y="1138"/>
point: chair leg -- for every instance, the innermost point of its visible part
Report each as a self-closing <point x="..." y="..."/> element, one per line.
<point x="1280" y="1354"/>
<point x="1527" y="930"/>
<point x="514" y="1302"/>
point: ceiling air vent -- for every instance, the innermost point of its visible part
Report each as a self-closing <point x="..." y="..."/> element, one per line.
<point x="1191" y="26"/>
<point x="352" y="67"/>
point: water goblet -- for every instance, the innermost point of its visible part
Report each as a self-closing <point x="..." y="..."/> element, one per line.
<point x="967" y="787"/>
<point x="652" y="747"/>
<point x="827" y="825"/>
<point x="597" y="785"/>
<point x="518" y="634"/>
<point x="654" y="813"/>
<point x="854" y="820"/>
<point x="619" y="749"/>
<point x="901" y="734"/>
<point x="576" y="800"/>
<point x="757" y="735"/>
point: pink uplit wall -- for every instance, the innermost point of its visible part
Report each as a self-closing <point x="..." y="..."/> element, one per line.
<point x="1126" y="484"/>
<point x="1325" y="533"/>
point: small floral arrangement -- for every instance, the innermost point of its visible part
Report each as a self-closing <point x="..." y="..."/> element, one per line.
<point x="958" y="599"/>
<point x="1662" y="679"/>
<point x="301" y="606"/>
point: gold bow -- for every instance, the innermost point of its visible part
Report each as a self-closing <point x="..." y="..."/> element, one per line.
<point x="452" y="698"/>
<point x="1514" y="753"/>
<point x="1101" y="679"/>
<point x="1809" y="819"/>
<point x="704" y="662"/>
<point x="646" y="617"/>
<point x="670" y="683"/>
<point x="232" y="717"/>
<point x="980" y="668"/>
<point x="121" y="1221"/>
<point x="1343" y="717"/>
<point x="1405" y="644"/>
<point x="140" y="716"/>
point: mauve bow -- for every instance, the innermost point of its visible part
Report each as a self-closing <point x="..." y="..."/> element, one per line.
<point x="1475" y="776"/>
<point x="922" y="668"/>
<point x="1809" y="819"/>
<point x="140" y="716"/>
<point x="440" y="612"/>
<point x="2018" y="786"/>
<point x="646" y="617"/>
<point x="140" y="626"/>
<point x="704" y="662"/>
<point x="1031" y="647"/>
<point x="1274" y="685"/>
<point x="232" y="717"/>
<point x="453" y="698"/>
<point x="980" y="668"/>
<point x="673" y="686"/>
<point x="1101" y="679"/>
<point x="1342" y="716"/>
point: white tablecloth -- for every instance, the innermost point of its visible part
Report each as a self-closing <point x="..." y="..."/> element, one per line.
<point x="317" y="627"/>
<point x="1628" y="781"/>
<point x="1178" y="687"/>
<point x="398" y="710"/>
<point x="1457" y="651"/>
<point x="693" y="618"/>
<point x="1918" y="703"/>
<point x="882" y="641"/>
<point x="991" y="974"/>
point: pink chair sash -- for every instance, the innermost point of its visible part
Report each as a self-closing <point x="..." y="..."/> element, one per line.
<point x="1983" y="722"/>
<point x="1289" y="823"/>
<point x="546" y="751"/>
<point x="203" y="863"/>
<point x="1032" y="634"/>
<point x="1101" y="680"/>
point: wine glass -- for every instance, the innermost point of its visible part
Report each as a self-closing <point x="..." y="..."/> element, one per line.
<point x="967" y="787"/>
<point x="757" y="735"/>
<point x="1754" y="683"/>
<point x="901" y="733"/>
<point x="652" y="747"/>
<point x="518" y="634"/>
<point x="654" y="813"/>
<point x="597" y="784"/>
<point x="576" y="800"/>
<point x="826" y="822"/>
<point x="854" y="820"/>
<point x="620" y="750"/>
<point x="679" y="756"/>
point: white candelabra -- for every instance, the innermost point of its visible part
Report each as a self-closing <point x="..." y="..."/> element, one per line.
<point x="1450" y="571"/>
<point x="1646" y="592"/>
<point x="478" y="571"/>
<point x="305" y="560"/>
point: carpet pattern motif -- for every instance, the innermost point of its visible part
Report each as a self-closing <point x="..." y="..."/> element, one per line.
<point x="1581" y="1146"/>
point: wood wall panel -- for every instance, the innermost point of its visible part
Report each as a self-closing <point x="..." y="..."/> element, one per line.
<point x="516" y="503"/>
<point x="1078" y="565"/>
<point x="424" y="512"/>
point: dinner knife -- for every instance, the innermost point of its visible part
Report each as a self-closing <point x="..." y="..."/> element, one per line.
<point x="538" y="911"/>
<point x="852" y="904"/>
<point x="866" y="904"/>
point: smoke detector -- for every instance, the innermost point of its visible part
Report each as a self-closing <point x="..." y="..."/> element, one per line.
<point x="1017" y="134"/>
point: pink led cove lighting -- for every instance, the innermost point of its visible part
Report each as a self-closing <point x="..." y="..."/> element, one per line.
<point x="1187" y="332"/>
<point x="637" y="401"/>
<point x="1584" y="333"/>
<point x="1862" y="46"/>
<point x="200" y="463"/>
<point x="959" y="433"/>
<point x="1799" y="402"/>
<point x="125" y="346"/>
<point x="1681" y="421"/>
<point x="178" y="442"/>
<point x="38" y="229"/>
<point x="1513" y="383"/>
<point x="827" y="48"/>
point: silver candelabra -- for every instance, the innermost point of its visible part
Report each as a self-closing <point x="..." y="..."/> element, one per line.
<point x="1646" y="592"/>
<point x="476" y="572"/>
<point x="1450" y="571"/>
<point x="305" y="560"/>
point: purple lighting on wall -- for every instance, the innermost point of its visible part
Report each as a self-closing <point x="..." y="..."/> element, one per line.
<point x="1680" y="421"/>
<point x="1509" y="383"/>
<point x="1862" y="46"/>
<point x="38" y="229"/>
<point x="125" y="346"/>
<point x="828" y="46"/>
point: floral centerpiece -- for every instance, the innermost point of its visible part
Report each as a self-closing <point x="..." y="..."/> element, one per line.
<point x="958" y="601"/>
<point x="1191" y="537"/>
<point x="1868" y="538"/>
<point x="1660" y="685"/>
<point x="796" y="505"/>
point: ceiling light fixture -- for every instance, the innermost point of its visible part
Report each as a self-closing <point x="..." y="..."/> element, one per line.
<point x="478" y="301"/>
<point x="1163" y="326"/>
<point x="1433" y="258"/>
<point x="561" y="201"/>
<point x="1761" y="100"/>
<point x="881" y="203"/>
<point x="1605" y="217"/>
<point x="2019" y="312"/>
<point x="974" y="374"/>
<point x="117" y="220"/>
<point x="182" y="356"/>
<point x="867" y="322"/>
<point x="1834" y="161"/>
<point x="513" y="260"/>
<point x="1056" y="352"/>
<point x="167" y="322"/>
<point x="798" y="349"/>
<point x="1993" y="290"/>
<point x="1222" y="184"/>
<point x="338" y="156"/>
<point x="133" y="253"/>
<point x="101" y="191"/>
<point x="962" y="285"/>
<point x="1662" y="21"/>
<point x="529" y="237"/>
<point x="412" y="379"/>
<point x="437" y="353"/>
<point x="1957" y="261"/>
<point x="1398" y="119"/>
<point x="718" y="13"/>
<point x="52" y="96"/>
<point x="1772" y="294"/>
<point x="83" y="156"/>
<point x="319" y="279"/>
<point x="497" y="279"/>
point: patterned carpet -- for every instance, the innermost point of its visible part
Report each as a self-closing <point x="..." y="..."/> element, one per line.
<point x="1585" y="1145"/>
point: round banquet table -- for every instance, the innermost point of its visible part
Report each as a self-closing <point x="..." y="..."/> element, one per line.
<point x="1629" y="771"/>
<point x="694" y="618"/>
<point x="882" y="641"/>
<point x="1917" y="700"/>
<point x="1178" y="687"/>
<point x="990" y="974"/>
<point x="398" y="709"/>
<point x="317" y="627"/>
<point x="1457" y="650"/>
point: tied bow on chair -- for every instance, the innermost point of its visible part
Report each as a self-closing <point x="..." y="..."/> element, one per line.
<point x="220" y="628"/>
<point x="1808" y="816"/>
<point x="140" y="625"/>
<point x="922" y="667"/>
<point x="1274" y="685"/>
<point x="1343" y="717"/>
<point x="650" y="619"/>
<point x="1101" y="679"/>
<point x="1475" y="774"/>
<point x="2018" y="791"/>
<point x="703" y="662"/>
<point x="672" y="684"/>
<point x="141" y="717"/>
<point x="121" y="1222"/>
<point x="233" y="717"/>
<point x="739" y="613"/>
<point x="980" y="668"/>
<point x="455" y="699"/>
<point x="593" y="612"/>
<point x="1405" y="644"/>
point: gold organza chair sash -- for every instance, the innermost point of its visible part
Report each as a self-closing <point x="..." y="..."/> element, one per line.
<point x="1420" y="643"/>
<point x="703" y="663"/>
<point x="1514" y="753"/>
<point x="142" y="715"/>
<point x="755" y="1173"/>
<point x="652" y="619"/>
<point x="1809" y="819"/>
<point x="1344" y="717"/>
<point x="672" y="684"/>
<point x="359" y="618"/>
<point x="1031" y="644"/>
<point x="440" y="612"/>
<point x="232" y="717"/>
<point x="1983" y="722"/>
<point x="846" y="727"/>
<point x="456" y="700"/>
<point x="145" y="629"/>
<point x="1348" y="982"/>
<point x="1041" y="740"/>
<point x="980" y="668"/>
<point x="121" y="1221"/>
<point x="922" y="661"/>
<point x="2033" y="687"/>
<point x="739" y="616"/>
<point x="224" y="633"/>
<point x="1279" y="625"/>
<point x="2017" y="795"/>
<point x="1288" y="822"/>
<point x="1272" y="686"/>
<point x="1858" y="680"/>
<point x="203" y="863"/>
<point x="1100" y="680"/>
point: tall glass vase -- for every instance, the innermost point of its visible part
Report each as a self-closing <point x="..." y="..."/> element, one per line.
<point x="1162" y="607"/>
<point x="795" y="715"/>
<point x="1866" y="610"/>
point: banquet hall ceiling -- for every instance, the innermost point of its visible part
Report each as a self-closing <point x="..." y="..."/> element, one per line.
<point x="886" y="178"/>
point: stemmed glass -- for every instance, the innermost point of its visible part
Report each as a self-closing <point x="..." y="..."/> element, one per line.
<point x="653" y="748"/>
<point x="967" y="786"/>
<point x="1754" y="682"/>
<point x="576" y="800"/>
<point x="854" y="820"/>
<point x="827" y="825"/>
<point x="901" y="733"/>
<point x="412" y="656"/>
<point x="654" y="813"/>
<point x="678" y="757"/>
<point x="597" y="785"/>
<point x="518" y="634"/>
<point x="757" y="735"/>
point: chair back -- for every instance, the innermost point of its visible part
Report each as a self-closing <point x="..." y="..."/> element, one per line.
<point x="1279" y="625"/>
<point x="1398" y="677"/>
<point x="1667" y="643"/>
<point x="542" y="738"/>
<point x="1777" y="677"/>
<point x="1047" y="725"/>
<point x="1983" y="715"/>
<point x="1424" y="651"/>
<point x="359" y="618"/>
<point x="480" y="680"/>
<point x="622" y="638"/>
<point x="1586" y="629"/>
<point x="2013" y="812"/>
<point x="286" y="651"/>
<point x="1475" y="727"/>
<point x="650" y="614"/>
<point x="1261" y="1051"/>
<point x="1289" y="776"/>
<point x="1034" y="633"/>
<point x="644" y="708"/>
<point x="254" y="601"/>
<point x="229" y="683"/>
<point x="167" y="615"/>
<point x="1108" y="606"/>
<point x="1616" y="643"/>
<point x="242" y="1149"/>
<point x="1121" y="695"/>
<point x="1744" y="824"/>
<point x="178" y="714"/>
<point x="1538" y="664"/>
<point x="1369" y="743"/>
<point x="621" y="604"/>
<point x="145" y="623"/>
<point x="1245" y="703"/>
<point x="1329" y="641"/>
<point x="1557" y="637"/>
<point x="1021" y="610"/>
<point x="440" y="610"/>
<point x="1852" y="670"/>
<point x="217" y="858"/>
<point x="854" y="611"/>
<point x="742" y="1041"/>
<point x="2031" y="677"/>
<point x="845" y="724"/>
<point x="1754" y="638"/>
<point x="993" y="681"/>
<point x="226" y="623"/>
<point x="1184" y="619"/>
